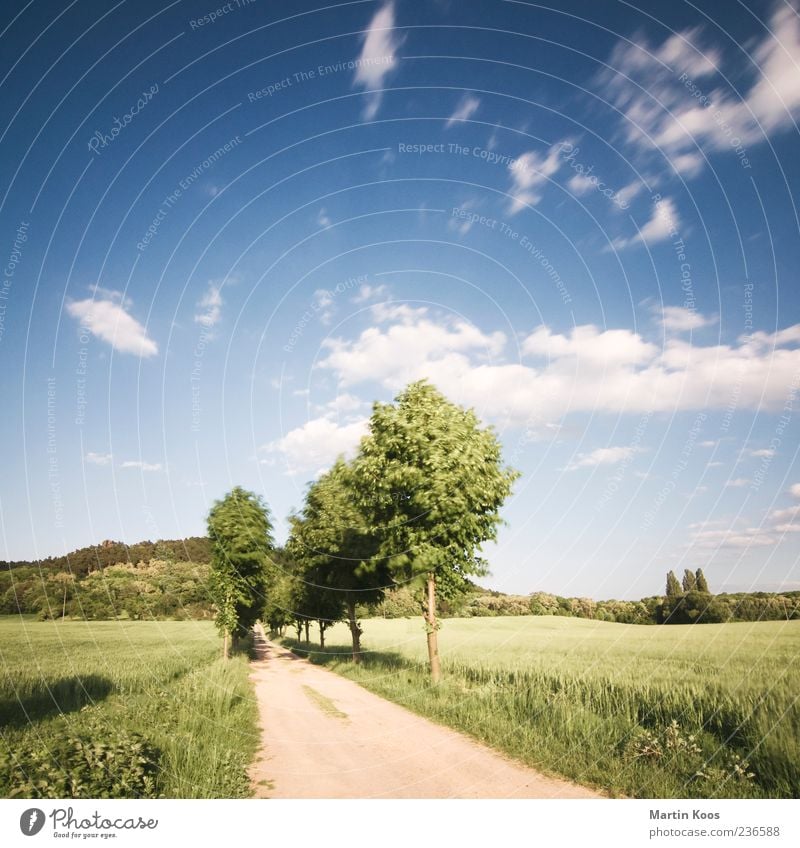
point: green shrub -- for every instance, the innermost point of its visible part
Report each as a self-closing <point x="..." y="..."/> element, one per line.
<point x="94" y="762"/>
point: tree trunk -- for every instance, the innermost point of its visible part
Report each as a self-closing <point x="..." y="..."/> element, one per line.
<point x="308" y="640"/>
<point x="64" y="604"/>
<point x="225" y="645"/>
<point x="322" y="634"/>
<point x="355" y="630"/>
<point x="430" y="622"/>
<point x="299" y="626"/>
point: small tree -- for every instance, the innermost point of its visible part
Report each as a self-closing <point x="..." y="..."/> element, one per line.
<point x="673" y="586"/>
<point x="701" y="582"/>
<point x="431" y="481"/>
<point x="241" y="533"/>
<point x="689" y="581"/>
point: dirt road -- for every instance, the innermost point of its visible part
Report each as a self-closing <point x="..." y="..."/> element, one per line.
<point x="326" y="737"/>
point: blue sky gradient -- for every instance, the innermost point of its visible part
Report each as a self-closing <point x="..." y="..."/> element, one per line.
<point x="227" y="231"/>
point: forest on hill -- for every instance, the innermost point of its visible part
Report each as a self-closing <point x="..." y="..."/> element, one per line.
<point x="169" y="579"/>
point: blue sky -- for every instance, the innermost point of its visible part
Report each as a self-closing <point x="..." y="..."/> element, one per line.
<point x="227" y="230"/>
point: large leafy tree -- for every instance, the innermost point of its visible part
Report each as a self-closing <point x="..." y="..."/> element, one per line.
<point x="336" y="551"/>
<point x="689" y="580"/>
<point x="431" y="481"/>
<point x="702" y="583"/>
<point x="240" y="530"/>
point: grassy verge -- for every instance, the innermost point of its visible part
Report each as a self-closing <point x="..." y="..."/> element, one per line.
<point x="107" y="709"/>
<point x="638" y="728"/>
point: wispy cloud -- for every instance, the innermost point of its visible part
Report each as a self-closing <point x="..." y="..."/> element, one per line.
<point x="680" y="319"/>
<point x="367" y="293"/>
<point x="377" y="58"/>
<point x="664" y="221"/>
<point x="107" y="319"/>
<point x="98" y="458"/>
<point x="140" y="465"/>
<point x="211" y="305"/>
<point x="529" y="174"/>
<point x="467" y="107"/>
<point x="674" y="108"/>
<point x="602" y="456"/>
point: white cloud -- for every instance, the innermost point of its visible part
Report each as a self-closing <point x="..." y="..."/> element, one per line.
<point x="652" y="87"/>
<point x="587" y="369"/>
<point x="107" y="320"/>
<point x="402" y="312"/>
<point x="377" y="58"/>
<point x="795" y="490"/>
<point x="631" y="190"/>
<point x="664" y="222"/>
<point x="322" y="303"/>
<point x="98" y="458"/>
<point x="601" y="456"/>
<point x="467" y="107"/>
<point x="708" y="443"/>
<point x="529" y="173"/>
<point x="323" y="219"/>
<point x="368" y="292"/>
<point x="211" y="304"/>
<point x="316" y="444"/>
<point x="762" y="452"/>
<point x="679" y="319"/>
<point x="142" y="466"/>
<point x="342" y="404"/>
<point x="738" y="483"/>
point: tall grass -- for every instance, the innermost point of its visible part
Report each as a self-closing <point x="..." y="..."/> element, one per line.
<point x="641" y="711"/>
<point x="161" y="682"/>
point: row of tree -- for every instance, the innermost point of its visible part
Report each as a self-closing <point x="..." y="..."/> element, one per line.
<point x="412" y="508"/>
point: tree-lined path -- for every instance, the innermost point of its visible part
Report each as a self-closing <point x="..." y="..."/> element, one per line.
<point x="326" y="737"/>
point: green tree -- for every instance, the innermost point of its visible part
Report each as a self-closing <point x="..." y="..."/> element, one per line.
<point x="330" y="541"/>
<point x="701" y="582"/>
<point x="431" y="481"/>
<point x="241" y="534"/>
<point x="673" y="586"/>
<point x="689" y="581"/>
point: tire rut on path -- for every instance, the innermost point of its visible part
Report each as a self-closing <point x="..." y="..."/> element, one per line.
<point x="324" y="736"/>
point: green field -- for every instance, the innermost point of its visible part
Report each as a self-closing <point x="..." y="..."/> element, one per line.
<point x="119" y="709"/>
<point x="678" y="711"/>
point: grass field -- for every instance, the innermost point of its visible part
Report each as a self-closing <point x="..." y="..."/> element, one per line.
<point x="677" y="711"/>
<point x="117" y="709"/>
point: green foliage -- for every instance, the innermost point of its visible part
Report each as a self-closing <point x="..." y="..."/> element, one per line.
<point x="93" y="762"/>
<point x="241" y="534"/>
<point x="689" y="581"/>
<point x="568" y="695"/>
<point x="430" y="482"/>
<point x="335" y="554"/>
<point x="701" y="584"/>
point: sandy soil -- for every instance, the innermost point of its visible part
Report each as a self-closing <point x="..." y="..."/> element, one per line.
<point x="327" y="737"/>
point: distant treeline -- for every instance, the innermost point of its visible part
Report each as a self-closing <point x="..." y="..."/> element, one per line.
<point x="687" y="608"/>
<point x="97" y="557"/>
<point x="170" y="580"/>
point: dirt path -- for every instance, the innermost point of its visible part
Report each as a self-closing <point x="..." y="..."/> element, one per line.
<point x="325" y="737"/>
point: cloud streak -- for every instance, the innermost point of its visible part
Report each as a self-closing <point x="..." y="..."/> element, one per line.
<point x="108" y="320"/>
